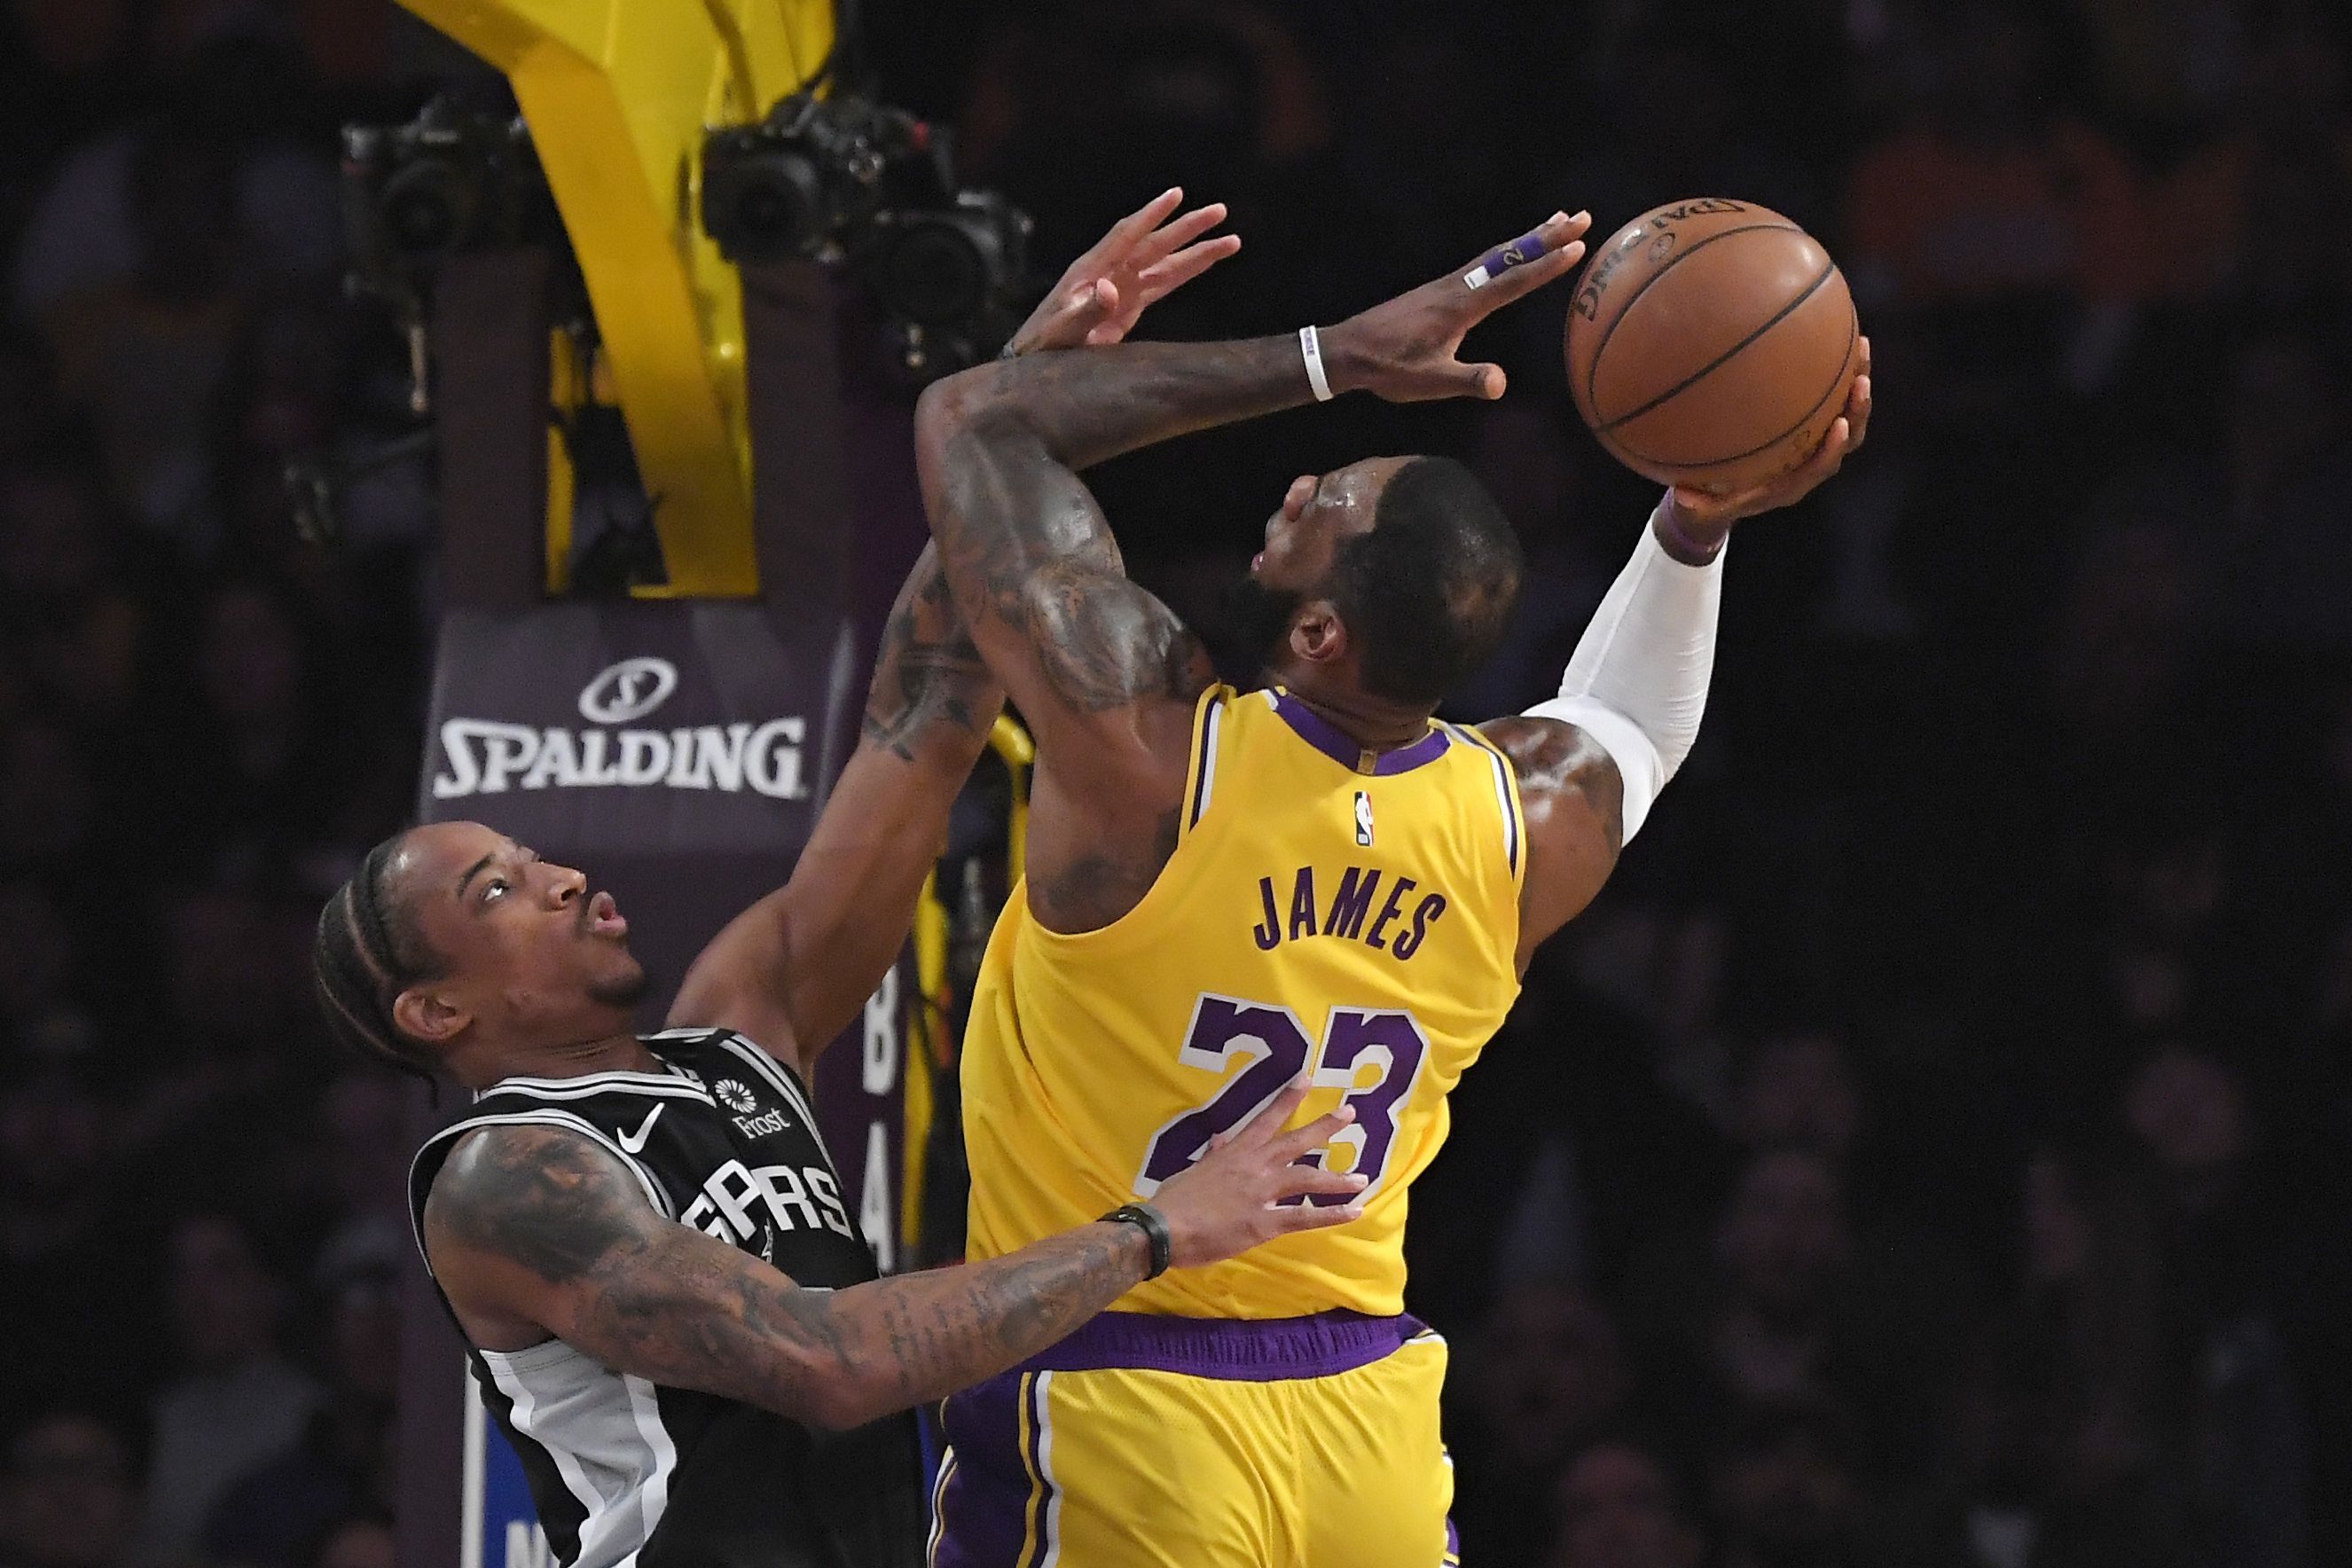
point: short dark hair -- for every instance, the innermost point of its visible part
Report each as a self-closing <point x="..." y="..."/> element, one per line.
<point x="367" y="951"/>
<point x="1428" y="589"/>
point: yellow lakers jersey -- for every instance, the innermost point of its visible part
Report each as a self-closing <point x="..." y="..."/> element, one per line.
<point x="1327" y="909"/>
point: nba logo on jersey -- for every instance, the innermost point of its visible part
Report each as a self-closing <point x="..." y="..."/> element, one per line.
<point x="1363" y="819"/>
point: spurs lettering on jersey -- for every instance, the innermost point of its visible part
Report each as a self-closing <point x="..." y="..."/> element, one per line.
<point x="746" y="1206"/>
<point x="718" y="1136"/>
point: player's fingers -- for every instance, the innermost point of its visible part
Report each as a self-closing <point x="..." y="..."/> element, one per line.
<point x="1833" y="449"/>
<point x="1164" y="277"/>
<point x="1298" y="1179"/>
<point x="1074" y="310"/>
<point x="1702" y="505"/>
<point x="1802" y="481"/>
<point x="1174" y="235"/>
<point x="1510" y="271"/>
<point x="1314" y="1135"/>
<point x="1127" y="231"/>
<point x="1794" y="485"/>
<point x="1545" y="238"/>
<point x="1521" y="281"/>
<point x="1267" y="1124"/>
<point x="1485" y="380"/>
<point x="1293" y="1218"/>
<point x="1858" y="411"/>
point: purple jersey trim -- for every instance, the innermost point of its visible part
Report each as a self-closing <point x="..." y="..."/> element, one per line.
<point x="1327" y="737"/>
<point x="1234" y="1350"/>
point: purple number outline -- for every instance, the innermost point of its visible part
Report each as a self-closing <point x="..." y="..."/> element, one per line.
<point x="1352" y="1033"/>
<point x="1273" y="1039"/>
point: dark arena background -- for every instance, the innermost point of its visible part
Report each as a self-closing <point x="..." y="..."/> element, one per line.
<point x="1932" y="1149"/>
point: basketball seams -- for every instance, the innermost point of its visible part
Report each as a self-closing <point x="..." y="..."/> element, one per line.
<point x="1845" y="362"/>
<point x="1592" y="371"/>
<point x="1719" y="361"/>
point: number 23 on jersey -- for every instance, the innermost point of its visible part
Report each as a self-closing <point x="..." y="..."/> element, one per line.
<point x="1375" y="1056"/>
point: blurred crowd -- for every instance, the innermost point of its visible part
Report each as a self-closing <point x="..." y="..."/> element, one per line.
<point x="1932" y="1150"/>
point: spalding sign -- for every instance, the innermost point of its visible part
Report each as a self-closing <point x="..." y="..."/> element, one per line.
<point x="629" y="689"/>
<point x="485" y="756"/>
<point x="594" y="712"/>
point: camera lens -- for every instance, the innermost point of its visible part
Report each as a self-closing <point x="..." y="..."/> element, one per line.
<point x="427" y="206"/>
<point x="764" y="205"/>
<point x="939" y="270"/>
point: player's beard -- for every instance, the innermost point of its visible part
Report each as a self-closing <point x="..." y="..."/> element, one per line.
<point x="1260" y="618"/>
<point x="623" y="990"/>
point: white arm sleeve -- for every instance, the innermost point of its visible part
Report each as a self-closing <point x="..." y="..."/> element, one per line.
<point x="1637" y="684"/>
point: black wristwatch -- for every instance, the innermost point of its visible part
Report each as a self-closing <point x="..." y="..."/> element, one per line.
<point x="1153" y="1224"/>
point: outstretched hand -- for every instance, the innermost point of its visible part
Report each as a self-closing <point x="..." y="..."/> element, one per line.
<point x="1226" y="1201"/>
<point x="1403" y="350"/>
<point x="1146" y="257"/>
<point x="1707" y="514"/>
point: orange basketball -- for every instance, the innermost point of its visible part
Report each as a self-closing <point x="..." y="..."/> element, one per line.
<point x="1711" y="342"/>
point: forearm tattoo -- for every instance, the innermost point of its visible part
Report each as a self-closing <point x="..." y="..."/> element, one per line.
<point x="929" y="679"/>
<point x="1023" y="538"/>
<point x="656" y="1299"/>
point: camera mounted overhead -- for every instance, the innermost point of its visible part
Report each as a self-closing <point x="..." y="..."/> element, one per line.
<point x="846" y="181"/>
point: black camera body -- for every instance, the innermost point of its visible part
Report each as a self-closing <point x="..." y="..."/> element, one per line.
<point x="848" y="181"/>
<point x="446" y="180"/>
<point x="811" y="178"/>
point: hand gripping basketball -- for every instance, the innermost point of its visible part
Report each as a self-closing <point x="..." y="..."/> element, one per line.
<point x="1710" y="515"/>
<point x="1404" y="350"/>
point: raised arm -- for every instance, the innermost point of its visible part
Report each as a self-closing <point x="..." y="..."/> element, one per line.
<point x="793" y="970"/>
<point x="1592" y="758"/>
<point x="535" y="1232"/>
<point x="1103" y="672"/>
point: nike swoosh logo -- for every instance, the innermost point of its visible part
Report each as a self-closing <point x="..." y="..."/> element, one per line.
<point x="635" y="1143"/>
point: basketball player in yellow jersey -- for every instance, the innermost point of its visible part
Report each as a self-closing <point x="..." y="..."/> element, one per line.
<point x="1227" y="892"/>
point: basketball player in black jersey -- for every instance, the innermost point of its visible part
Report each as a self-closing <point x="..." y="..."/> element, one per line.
<point x="670" y="1311"/>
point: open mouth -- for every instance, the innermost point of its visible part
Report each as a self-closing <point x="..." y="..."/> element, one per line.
<point x="605" y="917"/>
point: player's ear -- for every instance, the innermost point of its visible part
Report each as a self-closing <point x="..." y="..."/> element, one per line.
<point x="1317" y="635"/>
<point x="429" y="1014"/>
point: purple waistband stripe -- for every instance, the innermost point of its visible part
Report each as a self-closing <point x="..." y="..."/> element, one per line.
<point x="1235" y="1349"/>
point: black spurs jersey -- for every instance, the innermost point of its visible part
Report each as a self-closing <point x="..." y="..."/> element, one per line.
<point x="630" y="1474"/>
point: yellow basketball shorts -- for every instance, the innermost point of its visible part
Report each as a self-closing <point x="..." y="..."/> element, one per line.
<point x="1159" y="1442"/>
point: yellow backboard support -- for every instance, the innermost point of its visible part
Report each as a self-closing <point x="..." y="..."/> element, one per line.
<point x="617" y="94"/>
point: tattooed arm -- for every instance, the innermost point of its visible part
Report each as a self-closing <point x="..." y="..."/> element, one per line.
<point x="1102" y="672"/>
<point x="535" y="1232"/>
<point x="795" y="969"/>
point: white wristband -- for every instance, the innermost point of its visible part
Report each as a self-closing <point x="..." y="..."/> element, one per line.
<point x="1311" y="348"/>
